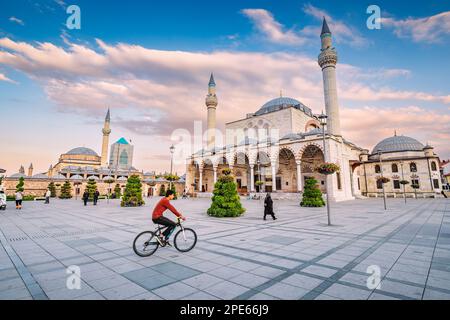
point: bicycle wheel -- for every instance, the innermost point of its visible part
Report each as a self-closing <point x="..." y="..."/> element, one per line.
<point x="145" y="244"/>
<point x="185" y="240"/>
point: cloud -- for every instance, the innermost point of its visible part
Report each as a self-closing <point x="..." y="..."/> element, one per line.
<point x="342" y="31"/>
<point x="5" y="78"/>
<point x="433" y="29"/>
<point x="158" y="91"/>
<point x="16" y="20"/>
<point x="417" y="122"/>
<point x="272" y="29"/>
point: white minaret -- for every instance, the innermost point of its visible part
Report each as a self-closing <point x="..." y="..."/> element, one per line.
<point x="327" y="61"/>
<point x="211" y="104"/>
<point x="106" y="131"/>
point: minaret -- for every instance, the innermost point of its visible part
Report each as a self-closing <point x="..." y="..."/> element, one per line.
<point x="106" y="131"/>
<point x="211" y="104"/>
<point x="327" y="61"/>
<point x="30" y="170"/>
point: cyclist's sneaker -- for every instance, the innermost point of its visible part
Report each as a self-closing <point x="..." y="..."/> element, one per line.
<point x="168" y="243"/>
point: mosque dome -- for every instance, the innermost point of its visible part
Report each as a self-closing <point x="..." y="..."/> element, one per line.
<point x="82" y="151"/>
<point x="398" y="144"/>
<point x="281" y="103"/>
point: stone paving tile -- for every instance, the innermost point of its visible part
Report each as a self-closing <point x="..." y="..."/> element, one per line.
<point x="202" y="281"/>
<point x="285" y="291"/>
<point x="320" y="271"/>
<point x="175" y="291"/>
<point x="347" y="293"/>
<point x="267" y="272"/>
<point x="123" y="292"/>
<point x="199" y="295"/>
<point x="302" y="281"/>
<point x="226" y="290"/>
<point x="413" y="292"/>
<point x="249" y="280"/>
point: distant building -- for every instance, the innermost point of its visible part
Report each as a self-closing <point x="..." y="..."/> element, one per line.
<point x="121" y="155"/>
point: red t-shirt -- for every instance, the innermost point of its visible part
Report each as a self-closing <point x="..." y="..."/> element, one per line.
<point x="162" y="206"/>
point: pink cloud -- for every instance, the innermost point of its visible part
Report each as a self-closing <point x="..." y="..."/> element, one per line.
<point x="429" y="30"/>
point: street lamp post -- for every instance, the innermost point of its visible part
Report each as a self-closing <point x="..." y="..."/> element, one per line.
<point x="403" y="180"/>
<point x="323" y="121"/>
<point x="382" y="183"/>
<point x="172" y="150"/>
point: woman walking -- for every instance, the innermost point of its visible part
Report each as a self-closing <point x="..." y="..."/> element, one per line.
<point x="85" y="197"/>
<point x="19" y="198"/>
<point x="268" y="207"/>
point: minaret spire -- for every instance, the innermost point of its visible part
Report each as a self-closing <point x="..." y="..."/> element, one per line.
<point x="106" y="131"/>
<point x="211" y="104"/>
<point x="328" y="59"/>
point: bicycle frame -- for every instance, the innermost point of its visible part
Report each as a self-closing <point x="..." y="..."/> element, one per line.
<point x="179" y="224"/>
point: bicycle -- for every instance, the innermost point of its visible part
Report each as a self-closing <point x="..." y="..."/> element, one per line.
<point x="145" y="244"/>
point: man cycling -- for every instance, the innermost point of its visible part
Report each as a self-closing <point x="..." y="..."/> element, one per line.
<point x="158" y="217"/>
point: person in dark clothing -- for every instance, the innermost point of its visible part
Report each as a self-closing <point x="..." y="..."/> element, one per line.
<point x="268" y="207"/>
<point x="85" y="197"/>
<point x="158" y="218"/>
<point x="96" y="195"/>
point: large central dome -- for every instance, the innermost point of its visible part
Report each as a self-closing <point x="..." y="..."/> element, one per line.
<point x="82" y="151"/>
<point x="397" y="144"/>
<point x="281" y="103"/>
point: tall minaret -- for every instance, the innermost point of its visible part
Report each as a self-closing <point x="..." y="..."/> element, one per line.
<point x="30" y="170"/>
<point x="106" y="131"/>
<point x="327" y="61"/>
<point x="211" y="104"/>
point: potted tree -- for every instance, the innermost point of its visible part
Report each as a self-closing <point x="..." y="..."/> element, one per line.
<point x="226" y="201"/>
<point x="312" y="196"/>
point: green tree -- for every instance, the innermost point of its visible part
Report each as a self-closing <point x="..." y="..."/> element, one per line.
<point x="226" y="201"/>
<point x="20" y="185"/>
<point x="162" y="190"/>
<point x="66" y="191"/>
<point x="132" y="197"/>
<point x="52" y="188"/>
<point x="312" y="196"/>
<point x="91" y="187"/>
<point x="117" y="191"/>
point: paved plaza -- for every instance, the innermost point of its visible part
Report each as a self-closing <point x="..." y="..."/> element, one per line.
<point x="295" y="257"/>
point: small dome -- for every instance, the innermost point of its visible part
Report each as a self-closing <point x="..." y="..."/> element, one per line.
<point x="108" y="178"/>
<point x="122" y="179"/>
<point x="397" y="144"/>
<point x="18" y="175"/>
<point x="280" y="103"/>
<point x="82" y="151"/>
<point x="291" y="136"/>
<point x="59" y="177"/>
<point x="93" y="178"/>
<point x="40" y="176"/>
<point x="76" y="177"/>
<point x="248" y="141"/>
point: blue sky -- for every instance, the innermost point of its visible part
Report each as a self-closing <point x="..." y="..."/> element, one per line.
<point x="156" y="57"/>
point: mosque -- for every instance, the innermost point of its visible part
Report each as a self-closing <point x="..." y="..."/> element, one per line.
<point x="81" y="164"/>
<point x="281" y="163"/>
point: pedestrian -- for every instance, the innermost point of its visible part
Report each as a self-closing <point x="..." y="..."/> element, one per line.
<point x="19" y="198"/>
<point x="268" y="207"/>
<point x="47" y="196"/>
<point x="85" y="197"/>
<point x="96" y="195"/>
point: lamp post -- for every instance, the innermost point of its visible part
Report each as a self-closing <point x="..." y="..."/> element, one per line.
<point x="403" y="180"/>
<point x="172" y="150"/>
<point x="323" y="122"/>
<point x="259" y="174"/>
<point x="382" y="183"/>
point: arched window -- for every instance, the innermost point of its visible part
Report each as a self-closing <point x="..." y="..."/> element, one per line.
<point x="433" y="166"/>
<point x="394" y="167"/>
<point x="377" y="169"/>
<point x="123" y="158"/>
<point x="413" y="167"/>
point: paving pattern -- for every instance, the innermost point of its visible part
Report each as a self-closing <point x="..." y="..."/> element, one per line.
<point x="295" y="257"/>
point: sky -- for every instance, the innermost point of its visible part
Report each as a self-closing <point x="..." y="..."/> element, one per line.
<point x="150" y="62"/>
